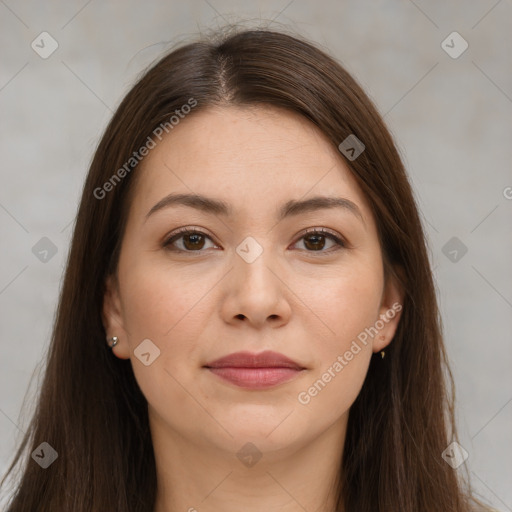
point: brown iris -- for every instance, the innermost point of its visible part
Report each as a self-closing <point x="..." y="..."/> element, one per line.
<point x="193" y="240"/>
<point x="318" y="241"/>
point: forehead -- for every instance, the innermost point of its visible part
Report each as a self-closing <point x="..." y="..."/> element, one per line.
<point x="256" y="156"/>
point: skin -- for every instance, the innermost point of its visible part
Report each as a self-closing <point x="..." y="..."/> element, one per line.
<point x="306" y="303"/>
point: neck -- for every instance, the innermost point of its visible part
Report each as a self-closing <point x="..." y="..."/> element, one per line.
<point x="195" y="476"/>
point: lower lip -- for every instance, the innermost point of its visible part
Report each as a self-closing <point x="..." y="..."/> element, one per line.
<point x="255" y="378"/>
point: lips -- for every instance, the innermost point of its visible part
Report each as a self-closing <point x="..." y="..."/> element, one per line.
<point x="267" y="359"/>
<point x="255" y="371"/>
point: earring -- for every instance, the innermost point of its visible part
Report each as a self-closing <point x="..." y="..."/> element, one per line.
<point x="112" y="342"/>
<point x="382" y="353"/>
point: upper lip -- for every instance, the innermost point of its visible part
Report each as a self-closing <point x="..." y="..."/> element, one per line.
<point x="267" y="359"/>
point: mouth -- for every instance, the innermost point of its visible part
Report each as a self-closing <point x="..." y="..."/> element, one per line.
<point x="255" y="371"/>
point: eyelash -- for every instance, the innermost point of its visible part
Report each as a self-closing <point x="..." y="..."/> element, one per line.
<point x="316" y="231"/>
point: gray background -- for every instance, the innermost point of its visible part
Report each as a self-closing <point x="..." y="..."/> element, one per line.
<point x="450" y="118"/>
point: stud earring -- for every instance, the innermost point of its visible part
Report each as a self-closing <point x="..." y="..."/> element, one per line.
<point x="112" y="342"/>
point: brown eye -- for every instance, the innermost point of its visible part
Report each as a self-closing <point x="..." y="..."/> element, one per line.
<point x="315" y="241"/>
<point x="191" y="241"/>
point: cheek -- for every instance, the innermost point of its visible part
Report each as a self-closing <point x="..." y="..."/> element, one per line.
<point x="340" y="306"/>
<point x="165" y="307"/>
<point x="332" y="390"/>
<point x="344" y="308"/>
<point x="172" y="308"/>
<point x="160" y="302"/>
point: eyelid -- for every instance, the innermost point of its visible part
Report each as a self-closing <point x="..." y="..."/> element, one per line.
<point x="338" y="239"/>
<point x="183" y="231"/>
<point x="323" y="231"/>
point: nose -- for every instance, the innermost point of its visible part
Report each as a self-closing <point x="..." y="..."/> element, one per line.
<point x="256" y="293"/>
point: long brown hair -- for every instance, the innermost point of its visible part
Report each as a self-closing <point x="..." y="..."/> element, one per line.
<point x="90" y="408"/>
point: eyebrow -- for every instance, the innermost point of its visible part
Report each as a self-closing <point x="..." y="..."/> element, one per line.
<point x="290" y="208"/>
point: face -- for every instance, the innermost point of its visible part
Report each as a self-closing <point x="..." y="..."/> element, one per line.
<point x="263" y="275"/>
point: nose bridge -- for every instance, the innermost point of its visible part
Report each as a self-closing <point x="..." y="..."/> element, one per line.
<point x="252" y="263"/>
<point x="258" y="294"/>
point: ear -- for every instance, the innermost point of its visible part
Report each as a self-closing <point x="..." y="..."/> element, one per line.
<point x="113" y="318"/>
<point x="390" y="310"/>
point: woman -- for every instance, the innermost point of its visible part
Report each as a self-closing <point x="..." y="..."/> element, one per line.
<point x="248" y="319"/>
